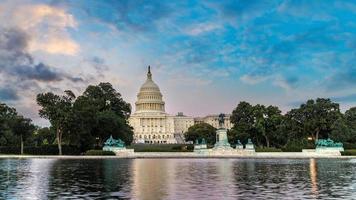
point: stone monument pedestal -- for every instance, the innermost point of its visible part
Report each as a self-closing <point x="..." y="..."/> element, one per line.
<point x="119" y="150"/>
<point x="249" y="146"/>
<point x="221" y="140"/>
<point x="329" y="147"/>
<point x="239" y="145"/>
<point x="329" y="150"/>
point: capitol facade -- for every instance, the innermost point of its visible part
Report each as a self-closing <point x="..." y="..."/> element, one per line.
<point x="151" y="124"/>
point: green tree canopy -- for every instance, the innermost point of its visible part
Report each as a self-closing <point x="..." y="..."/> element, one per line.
<point x="317" y="117"/>
<point x="14" y="127"/>
<point x="23" y="128"/>
<point x="258" y="122"/>
<point x="200" y="131"/>
<point x="59" y="111"/>
<point x="102" y="112"/>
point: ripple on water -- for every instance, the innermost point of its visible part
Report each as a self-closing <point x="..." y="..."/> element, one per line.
<point x="178" y="179"/>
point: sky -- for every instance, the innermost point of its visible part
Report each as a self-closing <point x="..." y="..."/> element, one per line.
<point x="206" y="56"/>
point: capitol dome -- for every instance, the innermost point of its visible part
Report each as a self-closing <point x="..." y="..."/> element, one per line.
<point x="149" y="98"/>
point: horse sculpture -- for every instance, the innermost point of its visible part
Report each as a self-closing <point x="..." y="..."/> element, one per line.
<point x="327" y="143"/>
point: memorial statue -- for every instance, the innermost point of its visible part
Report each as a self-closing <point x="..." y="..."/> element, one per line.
<point x="327" y="143"/>
<point x="249" y="146"/>
<point x="239" y="145"/>
<point x="203" y="141"/>
<point x="111" y="142"/>
<point x="238" y="142"/>
<point x="221" y="120"/>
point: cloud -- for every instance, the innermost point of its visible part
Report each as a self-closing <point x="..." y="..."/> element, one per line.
<point x="285" y="82"/>
<point x="125" y="15"/>
<point x="346" y="98"/>
<point x="253" y="79"/>
<point x="311" y="10"/>
<point x="343" y="79"/>
<point x="15" y="61"/>
<point x="242" y="11"/>
<point x="8" y="94"/>
<point x="201" y="28"/>
<point x="48" y="26"/>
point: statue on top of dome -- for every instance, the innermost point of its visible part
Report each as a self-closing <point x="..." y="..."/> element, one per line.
<point x="149" y="74"/>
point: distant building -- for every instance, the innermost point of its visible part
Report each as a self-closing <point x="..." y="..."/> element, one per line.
<point x="214" y="120"/>
<point x="151" y="124"/>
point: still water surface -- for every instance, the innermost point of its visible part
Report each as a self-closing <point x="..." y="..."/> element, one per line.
<point x="177" y="179"/>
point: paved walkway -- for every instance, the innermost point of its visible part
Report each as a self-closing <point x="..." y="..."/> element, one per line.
<point x="260" y="155"/>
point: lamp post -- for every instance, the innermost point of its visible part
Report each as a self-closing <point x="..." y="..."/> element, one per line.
<point x="97" y="141"/>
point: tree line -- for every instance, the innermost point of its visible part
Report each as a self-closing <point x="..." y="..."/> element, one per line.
<point x="84" y="121"/>
<point x="299" y="127"/>
<point x="87" y="120"/>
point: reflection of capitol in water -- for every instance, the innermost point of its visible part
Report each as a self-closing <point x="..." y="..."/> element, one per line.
<point x="223" y="179"/>
<point x="177" y="179"/>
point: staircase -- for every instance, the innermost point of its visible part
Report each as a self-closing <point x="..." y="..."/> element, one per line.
<point x="179" y="138"/>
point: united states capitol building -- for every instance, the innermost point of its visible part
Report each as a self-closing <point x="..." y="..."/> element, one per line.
<point x="151" y="124"/>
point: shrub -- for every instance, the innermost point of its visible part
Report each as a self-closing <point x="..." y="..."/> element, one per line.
<point x="349" y="146"/>
<point x="350" y="152"/>
<point x="298" y="145"/>
<point x="270" y="149"/>
<point x="41" y="150"/>
<point x="99" y="153"/>
<point x="292" y="149"/>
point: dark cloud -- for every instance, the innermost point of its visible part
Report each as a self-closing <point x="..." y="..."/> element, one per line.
<point x="8" y="94"/>
<point x="98" y="63"/>
<point x="343" y="79"/>
<point x="40" y="72"/>
<point x="18" y="63"/>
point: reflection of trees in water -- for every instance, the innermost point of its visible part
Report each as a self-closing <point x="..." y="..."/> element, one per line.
<point x="177" y="178"/>
<point x="336" y="178"/>
<point x="11" y="174"/>
<point x="24" y="178"/>
<point x="270" y="178"/>
<point x="90" y="178"/>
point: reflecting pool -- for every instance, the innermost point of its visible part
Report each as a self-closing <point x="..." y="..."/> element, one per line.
<point x="177" y="179"/>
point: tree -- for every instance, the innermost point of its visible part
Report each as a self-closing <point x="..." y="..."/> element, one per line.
<point x="350" y="119"/>
<point x="317" y="117"/>
<point x="257" y="122"/>
<point x="266" y="122"/>
<point x="233" y="135"/>
<point x="201" y="131"/>
<point x="58" y="110"/>
<point x="104" y="97"/>
<point x="103" y="112"/>
<point x="340" y="130"/>
<point x="44" y="136"/>
<point x="6" y="114"/>
<point x="23" y="128"/>
<point x="290" y="129"/>
<point x="242" y="119"/>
